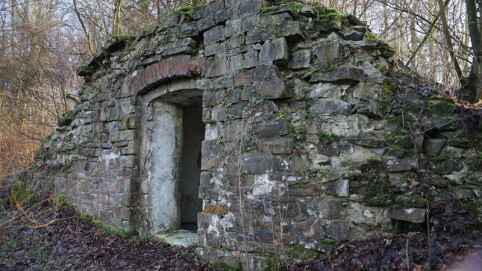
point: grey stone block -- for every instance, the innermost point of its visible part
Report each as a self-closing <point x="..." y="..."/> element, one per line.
<point x="346" y="75"/>
<point x="214" y="34"/>
<point x="434" y="147"/>
<point x="273" y="89"/>
<point x="338" y="230"/>
<point x="265" y="73"/>
<point x="278" y="145"/>
<point x="326" y="53"/>
<point x="249" y="7"/>
<point x="275" y="50"/>
<point x="413" y="215"/>
<point x="291" y="30"/>
<point x="300" y="60"/>
<point x="353" y="35"/>
<point x="215" y="66"/>
<point x="258" y="163"/>
<point x="400" y="165"/>
<point x="272" y="129"/>
<point x="330" y="107"/>
<point x="261" y="35"/>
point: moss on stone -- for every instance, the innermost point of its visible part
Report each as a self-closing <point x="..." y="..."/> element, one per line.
<point x="327" y="137"/>
<point x="187" y="10"/>
<point x="372" y="159"/>
<point x="297" y="185"/>
<point x="329" y="69"/>
<point x="377" y="193"/>
<point x="389" y="89"/>
<point x="377" y="201"/>
<point x="329" y="242"/>
<point x="399" y="140"/>
<point x="300" y="253"/>
<point x="330" y="15"/>
<point x="406" y="201"/>
<point x="280" y="5"/>
<point x="84" y="70"/>
<point x="443" y="107"/>
<point x="472" y="207"/>
<point x="443" y="156"/>
<point x="315" y="174"/>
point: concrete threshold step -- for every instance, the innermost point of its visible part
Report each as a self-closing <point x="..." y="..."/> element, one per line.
<point x="183" y="238"/>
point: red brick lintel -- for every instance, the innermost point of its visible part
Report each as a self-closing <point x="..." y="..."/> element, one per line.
<point x="172" y="68"/>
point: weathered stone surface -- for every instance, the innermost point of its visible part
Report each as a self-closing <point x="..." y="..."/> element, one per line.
<point x="265" y="73"/>
<point x="308" y="11"/>
<point x="188" y="30"/>
<point x="258" y="163"/>
<point x="353" y="35"/>
<point x="329" y="149"/>
<point x="234" y="130"/>
<point x="214" y="34"/>
<point x="273" y="89"/>
<point x="206" y="23"/>
<point x="329" y="208"/>
<point x="338" y="230"/>
<point x="447" y="166"/>
<point x="244" y="78"/>
<point x="273" y="51"/>
<point x="300" y="162"/>
<point x="367" y="142"/>
<point x="413" y="215"/>
<point x="346" y="75"/>
<point x="235" y="63"/>
<point x="249" y="7"/>
<point x="278" y="145"/>
<point x="272" y="129"/>
<point x="223" y="15"/>
<point x="261" y="35"/>
<point x="399" y="165"/>
<point x="327" y="90"/>
<point x="213" y="7"/>
<point x="330" y="107"/>
<point x="342" y="188"/>
<point x="291" y="30"/>
<point x="312" y="228"/>
<point x="326" y="53"/>
<point x="434" y="147"/>
<point x="215" y="66"/>
<point x="366" y="91"/>
<point x="300" y="60"/>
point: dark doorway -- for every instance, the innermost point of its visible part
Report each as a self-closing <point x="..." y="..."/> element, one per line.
<point x="193" y="135"/>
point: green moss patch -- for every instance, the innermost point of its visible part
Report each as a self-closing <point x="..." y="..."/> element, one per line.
<point x="329" y="242"/>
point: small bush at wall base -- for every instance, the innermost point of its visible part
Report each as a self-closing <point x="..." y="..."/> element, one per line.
<point x="23" y="194"/>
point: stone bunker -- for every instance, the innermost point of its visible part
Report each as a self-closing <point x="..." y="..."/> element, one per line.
<point x="266" y="129"/>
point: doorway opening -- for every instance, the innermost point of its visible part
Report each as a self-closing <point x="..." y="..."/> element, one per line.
<point x="172" y="133"/>
<point x="193" y="135"/>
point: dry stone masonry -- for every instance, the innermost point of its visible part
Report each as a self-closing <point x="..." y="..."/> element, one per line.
<point x="268" y="128"/>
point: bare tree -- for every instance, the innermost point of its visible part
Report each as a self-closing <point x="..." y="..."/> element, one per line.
<point x="474" y="85"/>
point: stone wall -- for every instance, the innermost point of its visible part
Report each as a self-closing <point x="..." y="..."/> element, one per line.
<point x="306" y="134"/>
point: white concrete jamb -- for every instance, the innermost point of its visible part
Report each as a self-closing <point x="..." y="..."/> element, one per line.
<point x="162" y="145"/>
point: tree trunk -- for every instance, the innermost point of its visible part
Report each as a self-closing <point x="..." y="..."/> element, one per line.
<point x="117" y="17"/>
<point x="472" y="91"/>
<point x="86" y="31"/>
<point x="448" y="39"/>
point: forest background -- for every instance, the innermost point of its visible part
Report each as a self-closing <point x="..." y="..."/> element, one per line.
<point x="43" y="41"/>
